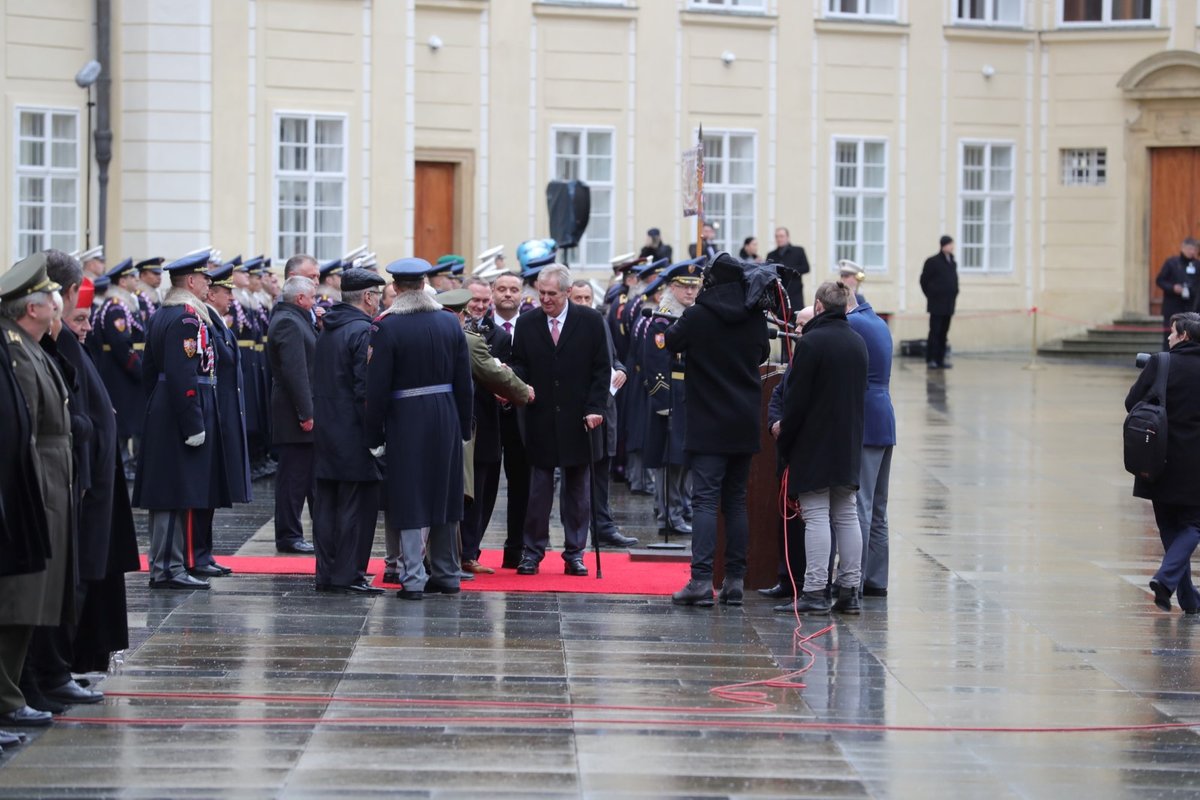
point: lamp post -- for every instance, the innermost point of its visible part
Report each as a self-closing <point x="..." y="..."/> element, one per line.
<point x="84" y="80"/>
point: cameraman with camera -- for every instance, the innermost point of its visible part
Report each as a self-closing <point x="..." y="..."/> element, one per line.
<point x="1175" y="492"/>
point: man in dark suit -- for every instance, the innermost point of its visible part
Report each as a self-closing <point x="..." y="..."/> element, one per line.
<point x="1179" y="280"/>
<point x="939" y="282"/>
<point x="347" y="475"/>
<point x="561" y="350"/>
<point x="794" y="263"/>
<point x="291" y="340"/>
<point x="708" y="237"/>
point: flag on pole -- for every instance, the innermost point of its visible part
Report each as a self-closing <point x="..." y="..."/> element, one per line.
<point x="693" y="180"/>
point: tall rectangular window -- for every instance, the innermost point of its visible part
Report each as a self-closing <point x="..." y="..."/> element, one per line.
<point x="989" y="12"/>
<point x="310" y="185"/>
<point x="729" y="186"/>
<point x="866" y="9"/>
<point x="860" y="202"/>
<point x="47" y="180"/>
<point x="986" y="206"/>
<point x="1108" y="12"/>
<point x="1085" y="167"/>
<point x="586" y="154"/>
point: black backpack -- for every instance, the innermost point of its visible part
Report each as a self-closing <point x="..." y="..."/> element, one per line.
<point x="1146" y="429"/>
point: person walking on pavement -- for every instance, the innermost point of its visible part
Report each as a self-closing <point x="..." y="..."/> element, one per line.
<point x="939" y="282"/>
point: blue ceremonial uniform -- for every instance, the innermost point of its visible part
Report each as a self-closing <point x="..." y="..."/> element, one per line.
<point x="244" y="324"/>
<point x="121" y="337"/>
<point x="664" y="372"/>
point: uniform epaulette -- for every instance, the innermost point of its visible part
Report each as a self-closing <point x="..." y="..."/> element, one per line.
<point x="14" y="337"/>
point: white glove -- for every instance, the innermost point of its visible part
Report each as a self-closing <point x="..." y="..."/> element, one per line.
<point x="195" y="440"/>
<point x="378" y="451"/>
<point x="666" y="412"/>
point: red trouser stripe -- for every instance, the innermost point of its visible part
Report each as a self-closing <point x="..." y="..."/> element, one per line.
<point x="190" y="555"/>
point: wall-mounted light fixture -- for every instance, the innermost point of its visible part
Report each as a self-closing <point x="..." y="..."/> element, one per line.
<point x="988" y="70"/>
<point x="435" y="43"/>
<point x="728" y="57"/>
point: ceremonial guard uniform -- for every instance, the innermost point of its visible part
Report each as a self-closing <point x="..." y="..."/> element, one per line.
<point x="122" y="337"/>
<point x="183" y="464"/>
<point x="246" y="323"/>
<point x="637" y="405"/>
<point x="260" y="312"/>
<point x="329" y="290"/>
<point x="419" y="404"/>
<point x="149" y="297"/>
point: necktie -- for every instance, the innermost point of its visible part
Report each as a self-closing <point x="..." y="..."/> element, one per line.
<point x="554" y="329"/>
<point x="508" y="327"/>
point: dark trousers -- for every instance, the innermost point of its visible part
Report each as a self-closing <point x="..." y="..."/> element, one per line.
<point x="1179" y="529"/>
<point x="601" y="490"/>
<point x="198" y="553"/>
<point x="479" y="513"/>
<point x="516" y="474"/>
<point x="935" y="345"/>
<point x="791" y="552"/>
<point x="574" y="508"/>
<point x="293" y="485"/>
<point x="344" y="519"/>
<point x="719" y="481"/>
<point x="14" y="644"/>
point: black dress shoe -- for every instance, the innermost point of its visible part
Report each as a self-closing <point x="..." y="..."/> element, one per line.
<point x="72" y="693"/>
<point x="732" y="591"/>
<point x="874" y="591"/>
<point x="617" y="539"/>
<point x="224" y="569"/>
<point x="808" y="603"/>
<point x="207" y="571"/>
<point x="39" y="702"/>
<point x="575" y="567"/>
<point x="183" y="581"/>
<point x="777" y="592"/>
<point x="527" y="567"/>
<point x="433" y="587"/>
<point x="26" y="717"/>
<point x="405" y="594"/>
<point x="1162" y="595"/>
<point x="510" y="562"/>
<point x="391" y="577"/>
<point x="300" y="547"/>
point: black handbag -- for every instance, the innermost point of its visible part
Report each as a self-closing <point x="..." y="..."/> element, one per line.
<point x="1146" y="428"/>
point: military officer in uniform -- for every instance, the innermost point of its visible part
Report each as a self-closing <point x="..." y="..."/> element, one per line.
<point x="346" y="506"/>
<point x="637" y="408"/>
<point x="121" y="334"/>
<point x="532" y="256"/>
<point x="664" y="374"/>
<point x="243" y="319"/>
<point x="329" y="287"/>
<point x="183" y="464"/>
<point x="440" y="275"/>
<point x="149" y="294"/>
<point x="419" y="409"/>
<point x="615" y="300"/>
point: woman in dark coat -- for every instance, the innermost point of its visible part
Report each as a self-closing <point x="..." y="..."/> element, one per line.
<point x="1176" y="494"/>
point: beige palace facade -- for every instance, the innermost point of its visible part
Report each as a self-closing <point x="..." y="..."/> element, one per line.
<point x="1056" y="140"/>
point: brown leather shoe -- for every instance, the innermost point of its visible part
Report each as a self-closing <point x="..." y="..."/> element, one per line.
<point x="475" y="568"/>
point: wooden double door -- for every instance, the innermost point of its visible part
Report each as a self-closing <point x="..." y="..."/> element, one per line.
<point x="434" y="230"/>
<point x="1174" y="207"/>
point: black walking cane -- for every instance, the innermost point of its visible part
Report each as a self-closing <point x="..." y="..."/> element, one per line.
<point x="592" y="496"/>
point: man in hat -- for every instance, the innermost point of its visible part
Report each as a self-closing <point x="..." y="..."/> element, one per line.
<point x="122" y="337"/>
<point x="93" y="261"/>
<point x="794" y="265"/>
<point x="939" y="282"/>
<point x="329" y="287"/>
<point x="655" y="248"/>
<point x="708" y="238"/>
<point x="291" y="342"/>
<point x="667" y="419"/>
<point x="347" y="475"/>
<point x="441" y="274"/>
<point x="182" y="466"/>
<point x="637" y="405"/>
<point x="244" y="319"/>
<point x="533" y="255"/>
<point x="29" y="306"/>
<point x="419" y="413"/>
<point x="149" y="294"/>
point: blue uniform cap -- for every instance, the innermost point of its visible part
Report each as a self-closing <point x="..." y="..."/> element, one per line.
<point x="333" y="267"/>
<point x="150" y="264"/>
<point x="687" y="272"/>
<point x="193" y="262"/>
<point x="222" y="275"/>
<point x="652" y="269"/>
<point x="535" y="253"/>
<point x="441" y="268"/>
<point x="101" y="284"/>
<point x="409" y="268"/>
<point x="253" y="264"/>
<point x="236" y="261"/>
<point x="126" y="267"/>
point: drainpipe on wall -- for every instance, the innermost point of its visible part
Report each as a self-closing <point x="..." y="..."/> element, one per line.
<point x="103" y="134"/>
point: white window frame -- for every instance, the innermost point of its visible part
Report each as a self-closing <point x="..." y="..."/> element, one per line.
<point x="1094" y="172"/>
<point x="46" y="173"/>
<point x="832" y="12"/>
<point x="577" y="254"/>
<point x="1106" y="20"/>
<point x="310" y="175"/>
<point x="989" y="15"/>
<point x="729" y="6"/>
<point x="730" y="189"/>
<point x="987" y="195"/>
<point x="860" y="192"/>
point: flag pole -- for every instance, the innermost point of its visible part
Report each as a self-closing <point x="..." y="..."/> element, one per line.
<point x="700" y="192"/>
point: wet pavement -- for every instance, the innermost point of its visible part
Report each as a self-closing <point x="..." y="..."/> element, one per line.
<point x="1017" y="599"/>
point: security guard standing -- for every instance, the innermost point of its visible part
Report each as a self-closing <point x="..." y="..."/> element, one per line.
<point x="148" y="293"/>
<point x="329" y="290"/>
<point x="121" y="334"/>
<point x="182" y="466"/>
<point x="637" y="408"/>
<point x="667" y="419"/>
<point x="244" y="320"/>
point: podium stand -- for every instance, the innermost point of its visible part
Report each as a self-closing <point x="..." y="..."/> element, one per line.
<point x="762" y="501"/>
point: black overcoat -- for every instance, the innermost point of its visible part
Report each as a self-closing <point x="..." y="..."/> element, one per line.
<point x="121" y="336"/>
<point x="635" y="408"/>
<point x="821" y="434"/>
<point x="291" y="341"/>
<point x="795" y="260"/>
<point x="178" y="374"/>
<point x="417" y="346"/>
<point x="725" y="344"/>
<point x="1179" y="270"/>
<point x="487" y="409"/>
<point x="570" y="381"/>
<point x="231" y="409"/>
<point x="1180" y="482"/>
<point x="24" y="537"/>
<point x="340" y="397"/>
<point x="939" y="282"/>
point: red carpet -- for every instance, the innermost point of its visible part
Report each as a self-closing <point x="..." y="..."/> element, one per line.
<point x="621" y="575"/>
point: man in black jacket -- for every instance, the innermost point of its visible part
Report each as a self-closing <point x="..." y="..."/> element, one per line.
<point x="794" y="263"/>
<point x="1180" y="282"/>
<point x="725" y="339"/>
<point x="939" y="282"/>
<point x="291" y="340"/>
<point x="820" y="437"/>
<point x="347" y="475"/>
<point x="561" y="350"/>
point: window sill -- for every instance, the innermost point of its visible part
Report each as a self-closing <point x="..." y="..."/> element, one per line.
<point x="726" y="18"/>
<point x="453" y="5"/>
<point x="584" y="10"/>
<point x="868" y="26"/>
<point x="1106" y="33"/>
<point x="988" y="33"/>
